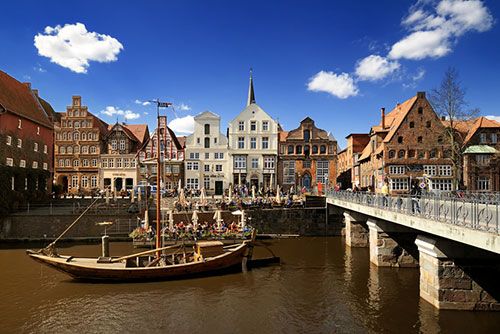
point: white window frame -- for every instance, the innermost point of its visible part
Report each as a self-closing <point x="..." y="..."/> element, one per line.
<point x="399" y="183"/>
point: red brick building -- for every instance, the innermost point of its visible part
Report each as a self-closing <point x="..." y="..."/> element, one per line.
<point x="307" y="156"/>
<point x="26" y="137"/>
<point x="408" y="146"/>
<point x="348" y="169"/>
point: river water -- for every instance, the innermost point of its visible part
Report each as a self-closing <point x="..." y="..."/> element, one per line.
<point x="321" y="287"/>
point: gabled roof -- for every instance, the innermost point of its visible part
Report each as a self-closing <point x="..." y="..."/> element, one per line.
<point x="481" y="123"/>
<point x="140" y="131"/>
<point x="366" y="153"/>
<point x="283" y="135"/>
<point x="18" y="99"/>
<point x="394" y="119"/>
<point x="207" y="114"/>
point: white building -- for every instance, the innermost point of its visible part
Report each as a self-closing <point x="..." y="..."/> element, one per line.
<point x="253" y="145"/>
<point x="206" y="161"/>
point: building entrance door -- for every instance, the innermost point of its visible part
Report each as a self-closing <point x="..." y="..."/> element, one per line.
<point x="119" y="184"/>
<point x="65" y="184"/>
<point x="219" y="188"/>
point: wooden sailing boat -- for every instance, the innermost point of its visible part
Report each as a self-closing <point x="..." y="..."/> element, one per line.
<point x="161" y="263"/>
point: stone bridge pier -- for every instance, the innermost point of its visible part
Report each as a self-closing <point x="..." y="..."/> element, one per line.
<point x="356" y="230"/>
<point x="458" y="277"/>
<point x="392" y="245"/>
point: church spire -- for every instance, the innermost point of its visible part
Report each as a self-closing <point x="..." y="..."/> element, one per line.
<point x="251" y="94"/>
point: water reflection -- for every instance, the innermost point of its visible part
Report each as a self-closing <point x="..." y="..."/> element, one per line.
<point x="322" y="287"/>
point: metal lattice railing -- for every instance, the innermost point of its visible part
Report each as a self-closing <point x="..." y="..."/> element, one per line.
<point x="479" y="211"/>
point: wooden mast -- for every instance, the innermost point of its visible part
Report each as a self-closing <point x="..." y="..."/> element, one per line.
<point x="158" y="181"/>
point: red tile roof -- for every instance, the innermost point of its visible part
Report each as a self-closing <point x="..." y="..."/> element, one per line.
<point x="140" y="131"/>
<point x="18" y="99"/>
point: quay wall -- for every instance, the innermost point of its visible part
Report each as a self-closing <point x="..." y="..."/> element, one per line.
<point x="301" y="221"/>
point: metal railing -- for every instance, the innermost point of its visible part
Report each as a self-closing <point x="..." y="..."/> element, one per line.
<point x="475" y="212"/>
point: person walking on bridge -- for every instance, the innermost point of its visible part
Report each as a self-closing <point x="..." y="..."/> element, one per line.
<point x="415" y="194"/>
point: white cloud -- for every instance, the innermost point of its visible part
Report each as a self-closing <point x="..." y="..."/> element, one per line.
<point x="182" y="125"/>
<point x="144" y="103"/>
<point x="422" y="44"/>
<point x="419" y="75"/>
<point x="183" y="107"/>
<point x="495" y="118"/>
<point x="374" y="67"/>
<point x="435" y="30"/>
<point x="73" y="47"/>
<point x="114" y="111"/>
<point x="339" y="85"/>
<point x="145" y="113"/>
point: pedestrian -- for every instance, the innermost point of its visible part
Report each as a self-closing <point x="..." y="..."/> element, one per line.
<point x="415" y="194"/>
<point x="385" y="194"/>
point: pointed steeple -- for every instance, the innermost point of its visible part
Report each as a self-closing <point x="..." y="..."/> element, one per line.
<point x="251" y="94"/>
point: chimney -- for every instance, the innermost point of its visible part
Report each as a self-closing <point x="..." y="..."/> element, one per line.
<point x="421" y="95"/>
<point x="27" y="84"/>
<point x="35" y="91"/>
<point x="382" y="111"/>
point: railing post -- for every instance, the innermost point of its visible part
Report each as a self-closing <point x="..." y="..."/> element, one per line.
<point x="51" y="212"/>
<point x="28" y="207"/>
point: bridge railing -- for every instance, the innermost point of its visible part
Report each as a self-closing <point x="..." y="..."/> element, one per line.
<point x="481" y="213"/>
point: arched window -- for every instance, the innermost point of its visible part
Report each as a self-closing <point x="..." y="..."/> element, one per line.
<point x="68" y="163"/>
<point x="307" y="150"/>
<point x="76" y="149"/>
<point x="70" y="136"/>
<point x="207" y="142"/>
<point x="433" y="153"/>
<point x="307" y="135"/>
<point x="62" y="150"/>
<point x="392" y="154"/>
<point x="93" y="149"/>
<point x="61" y="163"/>
<point x="76" y="135"/>
<point x="70" y="150"/>
<point x="400" y="140"/>
<point x="77" y="125"/>
<point x="85" y="149"/>
<point x="401" y="154"/>
<point x="411" y="153"/>
<point x="207" y="129"/>
<point x="84" y="136"/>
<point x="76" y="163"/>
<point x="315" y="149"/>
<point x="64" y="136"/>
<point x="322" y="149"/>
<point x="298" y="149"/>
<point x="290" y="149"/>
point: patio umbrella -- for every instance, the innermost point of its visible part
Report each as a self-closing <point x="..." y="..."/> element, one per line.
<point x="194" y="219"/>
<point x="253" y="193"/>
<point x="132" y="196"/>
<point x="179" y="186"/>
<point x="218" y="218"/>
<point x="170" y="220"/>
<point x="182" y="197"/>
<point x="203" y="197"/>
<point x="278" y="195"/>
<point x="146" y="220"/>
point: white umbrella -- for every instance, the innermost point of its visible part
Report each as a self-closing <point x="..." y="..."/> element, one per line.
<point x="107" y="195"/>
<point x="203" y="197"/>
<point x="182" y="197"/>
<point x="218" y="218"/>
<point x="132" y="196"/>
<point x="194" y="219"/>
<point x="278" y="196"/>
<point x="253" y="192"/>
<point x="170" y="220"/>
<point x="146" y="220"/>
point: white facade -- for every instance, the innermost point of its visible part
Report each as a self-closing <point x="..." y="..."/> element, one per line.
<point x="253" y="146"/>
<point x="206" y="161"/>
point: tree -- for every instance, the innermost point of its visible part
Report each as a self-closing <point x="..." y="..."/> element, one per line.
<point x="448" y="101"/>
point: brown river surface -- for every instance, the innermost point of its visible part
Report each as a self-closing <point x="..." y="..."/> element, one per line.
<point x="321" y="287"/>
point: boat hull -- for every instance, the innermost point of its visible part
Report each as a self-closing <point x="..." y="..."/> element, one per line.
<point x="89" y="269"/>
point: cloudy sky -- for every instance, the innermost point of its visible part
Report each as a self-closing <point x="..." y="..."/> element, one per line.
<point x="335" y="61"/>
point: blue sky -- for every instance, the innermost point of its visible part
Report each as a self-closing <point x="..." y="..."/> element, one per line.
<point x="335" y="61"/>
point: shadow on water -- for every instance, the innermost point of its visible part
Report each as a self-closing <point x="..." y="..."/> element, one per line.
<point x="321" y="287"/>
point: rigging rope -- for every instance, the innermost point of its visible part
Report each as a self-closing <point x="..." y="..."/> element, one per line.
<point x="52" y="244"/>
